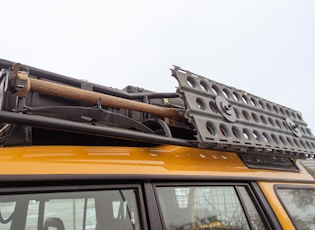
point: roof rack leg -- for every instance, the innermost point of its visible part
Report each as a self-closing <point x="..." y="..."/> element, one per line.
<point x="158" y="126"/>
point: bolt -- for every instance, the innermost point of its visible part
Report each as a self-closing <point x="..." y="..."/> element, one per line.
<point x="228" y="107"/>
<point x="295" y="126"/>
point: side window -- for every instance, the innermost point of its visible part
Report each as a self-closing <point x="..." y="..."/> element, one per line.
<point x="89" y="210"/>
<point x="300" y="205"/>
<point x="74" y="213"/>
<point x="6" y="214"/>
<point x="205" y="207"/>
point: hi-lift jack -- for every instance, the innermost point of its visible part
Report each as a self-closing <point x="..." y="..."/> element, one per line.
<point x="202" y="113"/>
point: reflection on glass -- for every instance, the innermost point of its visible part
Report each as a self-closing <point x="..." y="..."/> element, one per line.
<point x="88" y="210"/>
<point x="201" y="207"/>
<point x="300" y="204"/>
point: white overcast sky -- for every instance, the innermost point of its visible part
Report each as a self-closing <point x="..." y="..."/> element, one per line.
<point x="263" y="47"/>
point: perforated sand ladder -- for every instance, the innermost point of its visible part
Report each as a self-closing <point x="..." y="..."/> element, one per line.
<point x="231" y="119"/>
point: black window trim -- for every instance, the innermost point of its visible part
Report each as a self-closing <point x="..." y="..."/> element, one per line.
<point x="153" y="211"/>
<point x="287" y="186"/>
<point x="240" y="197"/>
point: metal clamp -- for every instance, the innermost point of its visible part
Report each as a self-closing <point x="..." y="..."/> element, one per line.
<point x="225" y="108"/>
<point x="294" y="127"/>
<point x="20" y="81"/>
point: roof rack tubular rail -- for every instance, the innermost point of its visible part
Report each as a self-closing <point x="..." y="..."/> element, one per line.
<point x="70" y="126"/>
<point x="39" y="73"/>
<point x="230" y="119"/>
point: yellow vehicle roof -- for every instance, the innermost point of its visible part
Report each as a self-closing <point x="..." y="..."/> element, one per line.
<point x="147" y="162"/>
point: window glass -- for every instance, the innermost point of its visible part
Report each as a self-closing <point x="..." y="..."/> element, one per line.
<point x="202" y="207"/>
<point x="70" y="211"/>
<point x="300" y="204"/>
<point x="89" y="210"/>
<point x="6" y="214"/>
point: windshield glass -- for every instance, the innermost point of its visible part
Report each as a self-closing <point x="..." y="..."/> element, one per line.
<point x="300" y="205"/>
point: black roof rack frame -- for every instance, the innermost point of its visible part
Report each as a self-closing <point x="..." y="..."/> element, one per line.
<point x="207" y="115"/>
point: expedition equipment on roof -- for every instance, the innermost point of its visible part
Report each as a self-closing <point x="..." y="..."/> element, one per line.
<point x="77" y="155"/>
<point x="202" y="113"/>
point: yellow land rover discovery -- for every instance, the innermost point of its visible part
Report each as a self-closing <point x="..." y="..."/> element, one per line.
<point x="79" y="156"/>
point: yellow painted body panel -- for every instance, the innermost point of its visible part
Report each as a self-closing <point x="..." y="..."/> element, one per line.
<point x="162" y="160"/>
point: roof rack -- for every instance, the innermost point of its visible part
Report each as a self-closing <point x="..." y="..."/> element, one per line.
<point x="202" y="113"/>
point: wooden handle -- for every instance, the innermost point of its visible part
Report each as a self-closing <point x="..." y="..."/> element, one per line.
<point x="73" y="93"/>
